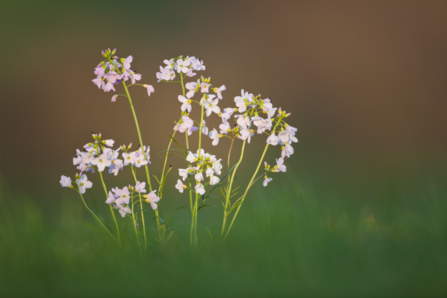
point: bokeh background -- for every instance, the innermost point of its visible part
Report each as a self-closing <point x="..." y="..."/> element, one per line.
<point x="365" y="82"/>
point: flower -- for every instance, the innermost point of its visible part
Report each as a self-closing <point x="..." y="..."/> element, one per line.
<point x="111" y="198"/>
<point x="245" y="133"/>
<point x="116" y="166"/>
<point x="204" y="87"/>
<point x="122" y="195"/>
<point x="243" y="120"/>
<point x="140" y="187"/>
<point x="225" y="127"/>
<point x="214" y="180"/>
<point x="153" y="199"/>
<point x="272" y="140"/>
<point x="114" y="97"/>
<point x="287" y="150"/>
<point x="101" y="162"/>
<point x="280" y="164"/>
<point x="150" y="89"/>
<point x="84" y="184"/>
<point x="182" y="66"/>
<point x="214" y="135"/>
<point x="139" y="159"/>
<point x="211" y="106"/>
<point x="219" y="91"/>
<point x="193" y="88"/>
<point x="128" y="158"/>
<point x="126" y="63"/>
<point x="200" y="189"/>
<point x="180" y="186"/>
<point x="65" y="181"/>
<point x="186" y="103"/>
<point x="199" y="176"/>
<point x="124" y="209"/>
<point x="266" y="181"/>
<point x="108" y="143"/>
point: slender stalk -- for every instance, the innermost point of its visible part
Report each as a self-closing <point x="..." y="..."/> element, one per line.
<point x="248" y="187"/>
<point x="135" y="227"/>
<point x="85" y="204"/>
<point x="227" y="199"/>
<point x="136" y="123"/>
<point x="111" y="209"/>
<point x="141" y="207"/>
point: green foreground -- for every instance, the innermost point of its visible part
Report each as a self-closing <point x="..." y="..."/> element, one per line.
<point x="292" y="245"/>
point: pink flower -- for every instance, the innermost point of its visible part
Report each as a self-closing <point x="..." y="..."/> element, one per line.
<point x="150" y="89"/>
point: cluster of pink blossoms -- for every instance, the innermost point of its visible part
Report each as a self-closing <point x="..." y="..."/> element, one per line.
<point x="97" y="155"/>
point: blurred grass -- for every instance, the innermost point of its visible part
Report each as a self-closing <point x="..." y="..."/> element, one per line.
<point x="286" y="242"/>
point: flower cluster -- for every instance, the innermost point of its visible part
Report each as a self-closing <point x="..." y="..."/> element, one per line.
<point x="179" y="65"/>
<point x="97" y="155"/>
<point x="114" y="70"/>
<point x="251" y="108"/>
<point x="206" y="164"/>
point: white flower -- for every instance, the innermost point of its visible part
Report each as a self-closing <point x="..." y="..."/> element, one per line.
<point x="204" y="87"/>
<point x="193" y="88"/>
<point x="225" y="128"/>
<point x="139" y="160"/>
<point x="211" y="106"/>
<point x="217" y="167"/>
<point x="187" y="125"/>
<point x="214" y="135"/>
<point x="186" y="103"/>
<point x="245" y="133"/>
<point x="122" y="196"/>
<point x="140" y="187"/>
<point x="84" y="184"/>
<point x="191" y="157"/>
<point x="180" y="186"/>
<point x="271" y="112"/>
<point x="101" y="162"/>
<point x="243" y="120"/>
<point x="199" y="176"/>
<point x="108" y="143"/>
<point x="214" y="180"/>
<point x="266" y="181"/>
<point x="280" y="164"/>
<point x="183" y="173"/>
<point x="123" y="210"/>
<point x="243" y="101"/>
<point x="182" y="66"/>
<point x="128" y="158"/>
<point x="200" y="189"/>
<point x="116" y="166"/>
<point x="287" y="150"/>
<point x="153" y="199"/>
<point x="111" y="198"/>
<point x="65" y="181"/>
<point x="219" y="91"/>
<point x="126" y="63"/>
<point x="272" y="140"/>
<point x="209" y="172"/>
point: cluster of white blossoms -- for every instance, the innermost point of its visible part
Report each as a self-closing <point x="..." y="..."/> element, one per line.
<point x="97" y="155"/>
<point x="179" y="65"/>
<point x="207" y="166"/>
<point x="251" y="108"/>
<point x="114" y="70"/>
<point x="208" y="101"/>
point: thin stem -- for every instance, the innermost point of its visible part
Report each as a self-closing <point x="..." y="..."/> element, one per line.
<point x="136" y="123"/>
<point x="248" y="187"/>
<point x="141" y="207"/>
<point x="135" y="227"/>
<point x="85" y="204"/>
<point x="227" y="199"/>
<point x="111" y="209"/>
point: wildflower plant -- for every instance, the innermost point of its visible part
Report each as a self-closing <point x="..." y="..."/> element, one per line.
<point x="202" y="173"/>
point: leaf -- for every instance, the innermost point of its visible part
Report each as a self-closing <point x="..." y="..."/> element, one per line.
<point x="170" y="235"/>
<point x="184" y="152"/>
<point x="168" y="150"/>
<point x="172" y="154"/>
<point x="211" y="236"/>
<point x="181" y="207"/>
<point x="223" y="193"/>
<point x="205" y="205"/>
<point x="232" y="208"/>
<point x="156" y="179"/>
<point x="220" y="184"/>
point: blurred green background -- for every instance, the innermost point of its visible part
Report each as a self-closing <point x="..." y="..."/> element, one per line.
<point x="361" y="211"/>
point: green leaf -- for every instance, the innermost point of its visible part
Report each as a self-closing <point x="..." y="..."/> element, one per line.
<point x="170" y="235"/>
<point x="168" y="150"/>
<point x="181" y="207"/>
<point x="184" y="152"/>
<point x="205" y="205"/>
<point x="211" y="236"/>
<point x="240" y="202"/>
<point x="156" y="179"/>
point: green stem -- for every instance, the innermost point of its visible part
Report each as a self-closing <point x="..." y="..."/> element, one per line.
<point x="111" y="209"/>
<point x="249" y="185"/>
<point x="141" y="207"/>
<point x="227" y="199"/>
<point x="136" y="123"/>
<point x="135" y="227"/>
<point x="85" y="204"/>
